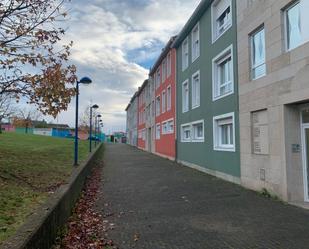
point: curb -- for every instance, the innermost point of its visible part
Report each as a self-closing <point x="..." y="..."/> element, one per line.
<point x="41" y="228"/>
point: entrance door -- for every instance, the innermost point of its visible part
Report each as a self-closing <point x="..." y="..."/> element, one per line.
<point x="305" y="146"/>
<point x="149" y="139"/>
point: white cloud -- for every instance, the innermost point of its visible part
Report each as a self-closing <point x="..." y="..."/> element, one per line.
<point x="110" y="38"/>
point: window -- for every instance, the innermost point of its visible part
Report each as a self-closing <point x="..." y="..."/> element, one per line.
<point x="158" y="131"/>
<point x="185" y="54"/>
<point x="186" y="133"/>
<point x="185" y="96"/>
<point x="198" y="131"/>
<point x="258" y="66"/>
<point x="195" y="43"/>
<point x="196" y="90"/>
<point x="221" y="17"/>
<point x="169" y="98"/>
<point x="163" y="101"/>
<point x="171" y="126"/>
<point x="293" y="26"/>
<point x="164" y="70"/>
<point x="223" y="82"/>
<point x="158" y="78"/>
<point x="158" y="106"/>
<point x="169" y="65"/>
<point x="164" y="128"/>
<point x="153" y="108"/>
<point x="224" y="132"/>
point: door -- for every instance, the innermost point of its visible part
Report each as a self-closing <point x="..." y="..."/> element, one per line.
<point x="149" y="139"/>
<point x="305" y="151"/>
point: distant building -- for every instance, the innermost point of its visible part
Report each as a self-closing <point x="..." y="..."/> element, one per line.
<point x="7" y="127"/>
<point x="163" y="76"/>
<point x="132" y="121"/>
<point x="141" y="127"/>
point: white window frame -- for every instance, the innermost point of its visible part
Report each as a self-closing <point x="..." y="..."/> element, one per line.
<point x="228" y="52"/>
<point x="290" y="6"/>
<point x="169" y="98"/>
<point x="198" y="139"/>
<point x="185" y="108"/>
<point x="163" y="101"/>
<point x="252" y="66"/>
<point x="158" y="106"/>
<point x="171" y="131"/>
<point x="196" y="102"/>
<point x="183" y="140"/>
<point x="195" y="56"/>
<point x="164" y="128"/>
<point x="164" y="70"/>
<point x="217" y="135"/>
<point x="169" y="64"/>
<point x="158" y="131"/>
<point x="185" y="58"/>
<point x="158" y="78"/>
<point x="214" y="27"/>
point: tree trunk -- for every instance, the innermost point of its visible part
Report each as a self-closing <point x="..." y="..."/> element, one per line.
<point x="0" y="126"/>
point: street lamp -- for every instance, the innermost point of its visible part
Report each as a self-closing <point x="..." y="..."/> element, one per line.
<point x="90" y="132"/>
<point x="85" y="81"/>
<point x="97" y="126"/>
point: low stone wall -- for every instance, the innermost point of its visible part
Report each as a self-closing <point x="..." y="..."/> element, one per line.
<point x="41" y="228"/>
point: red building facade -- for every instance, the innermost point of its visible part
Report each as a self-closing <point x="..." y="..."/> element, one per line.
<point x="164" y="76"/>
<point x="141" y="117"/>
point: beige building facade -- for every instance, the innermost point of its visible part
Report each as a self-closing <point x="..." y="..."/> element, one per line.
<point x="273" y="59"/>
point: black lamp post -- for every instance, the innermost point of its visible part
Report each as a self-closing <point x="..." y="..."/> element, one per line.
<point x="85" y="81"/>
<point x="90" y="131"/>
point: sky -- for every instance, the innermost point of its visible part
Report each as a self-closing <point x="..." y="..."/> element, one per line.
<point x="115" y="44"/>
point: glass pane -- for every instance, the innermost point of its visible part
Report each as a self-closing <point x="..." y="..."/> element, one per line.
<point x="293" y="27"/>
<point x="305" y="116"/>
<point x="258" y="48"/>
<point x="224" y="134"/>
<point x="259" y="71"/>
<point x="231" y="134"/>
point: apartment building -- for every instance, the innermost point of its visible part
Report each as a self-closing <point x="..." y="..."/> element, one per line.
<point x="273" y="53"/>
<point x="164" y="78"/>
<point x="150" y="116"/>
<point x="132" y="120"/>
<point x="141" y="118"/>
<point x="207" y="91"/>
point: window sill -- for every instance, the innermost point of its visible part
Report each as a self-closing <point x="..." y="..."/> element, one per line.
<point x="227" y="149"/>
<point x="221" y="96"/>
<point x="198" y="140"/>
<point x="214" y="39"/>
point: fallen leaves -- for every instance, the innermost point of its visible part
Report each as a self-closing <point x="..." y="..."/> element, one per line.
<point x="86" y="225"/>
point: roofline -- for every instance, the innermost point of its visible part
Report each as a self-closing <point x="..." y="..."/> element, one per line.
<point x="164" y="52"/>
<point x="140" y="89"/>
<point x="199" y="11"/>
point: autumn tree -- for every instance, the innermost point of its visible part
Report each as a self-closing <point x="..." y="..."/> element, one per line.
<point x="7" y="108"/>
<point x="33" y="64"/>
<point x="84" y="121"/>
<point x="25" y="118"/>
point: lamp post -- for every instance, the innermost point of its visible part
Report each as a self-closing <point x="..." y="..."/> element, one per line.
<point x="85" y="81"/>
<point x="90" y="131"/>
<point x="97" y="126"/>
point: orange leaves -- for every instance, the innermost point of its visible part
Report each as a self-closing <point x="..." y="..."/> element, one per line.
<point x="28" y="42"/>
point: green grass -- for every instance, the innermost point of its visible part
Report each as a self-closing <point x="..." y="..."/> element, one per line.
<point x="31" y="168"/>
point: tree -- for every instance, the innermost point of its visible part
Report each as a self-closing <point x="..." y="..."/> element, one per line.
<point x="84" y="121"/>
<point x="7" y="109"/>
<point x="33" y="64"/>
<point x="26" y="117"/>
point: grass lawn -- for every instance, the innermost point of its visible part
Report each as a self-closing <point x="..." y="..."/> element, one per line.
<point x="31" y="168"/>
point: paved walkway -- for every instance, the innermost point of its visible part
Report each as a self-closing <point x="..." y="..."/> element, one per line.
<point x="163" y="205"/>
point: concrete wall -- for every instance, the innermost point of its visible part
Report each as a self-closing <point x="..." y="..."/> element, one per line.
<point x="280" y="92"/>
<point x="40" y="230"/>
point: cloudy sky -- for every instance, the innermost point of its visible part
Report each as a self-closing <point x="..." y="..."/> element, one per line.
<point x="115" y="43"/>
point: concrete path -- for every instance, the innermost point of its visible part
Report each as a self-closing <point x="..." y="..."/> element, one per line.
<point x="158" y="204"/>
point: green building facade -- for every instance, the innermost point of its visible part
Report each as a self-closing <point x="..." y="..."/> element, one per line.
<point x="207" y="91"/>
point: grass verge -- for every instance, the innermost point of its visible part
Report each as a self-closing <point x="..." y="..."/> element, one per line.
<point x="31" y="168"/>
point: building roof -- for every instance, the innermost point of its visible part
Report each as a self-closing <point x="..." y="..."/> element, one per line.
<point x="140" y="89"/>
<point x="197" y="14"/>
<point x="163" y="54"/>
<point x="131" y="101"/>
